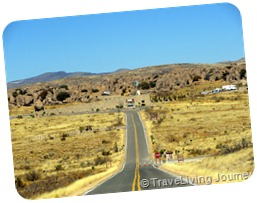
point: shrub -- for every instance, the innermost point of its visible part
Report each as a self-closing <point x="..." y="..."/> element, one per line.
<point x="58" y="167"/>
<point x="152" y="84"/>
<point x="83" y="164"/>
<point x="152" y="139"/>
<point x="196" y="78"/>
<point x="95" y="90"/>
<point x="32" y="176"/>
<point x="99" y="160"/>
<point x="14" y="94"/>
<point x="242" y="73"/>
<point x="119" y="106"/>
<point x="105" y="142"/>
<point x="19" y="117"/>
<point x="116" y="149"/>
<point x="19" y="183"/>
<point x="63" y="86"/>
<point x="144" y="85"/>
<point x="225" y="149"/>
<point x="62" y="96"/>
<point x="20" y="91"/>
<point x="84" y="90"/>
<point x="162" y="151"/>
<point x="81" y="129"/>
<point x="106" y="153"/>
<point x="228" y="67"/>
<point x="224" y="75"/>
<point x="64" y="136"/>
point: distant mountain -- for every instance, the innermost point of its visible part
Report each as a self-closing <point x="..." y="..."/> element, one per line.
<point x="237" y="61"/>
<point x="50" y="76"/>
<point x="121" y="70"/>
<point x="46" y="77"/>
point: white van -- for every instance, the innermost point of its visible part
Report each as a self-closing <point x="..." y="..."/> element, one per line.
<point x="229" y="87"/>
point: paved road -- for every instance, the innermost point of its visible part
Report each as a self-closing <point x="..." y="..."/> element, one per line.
<point x="137" y="173"/>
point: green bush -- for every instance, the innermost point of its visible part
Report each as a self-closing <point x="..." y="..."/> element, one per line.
<point x="14" y="94"/>
<point x="58" y="167"/>
<point x="62" y="96"/>
<point x="152" y="84"/>
<point x="99" y="160"/>
<point x="84" y="90"/>
<point x="144" y="85"/>
<point x="242" y="73"/>
<point x="116" y="149"/>
<point x="64" y="87"/>
<point x="95" y="90"/>
<point x="19" y="183"/>
<point x="81" y="129"/>
<point x="32" y="176"/>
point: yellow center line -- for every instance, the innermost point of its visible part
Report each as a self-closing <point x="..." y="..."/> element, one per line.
<point x="138" y="180"/>
<point x="136" y="174"/>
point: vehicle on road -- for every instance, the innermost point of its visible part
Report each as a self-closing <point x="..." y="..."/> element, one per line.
<point x="229" y="87"/>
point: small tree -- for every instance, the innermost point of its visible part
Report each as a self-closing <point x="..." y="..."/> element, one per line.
<point x="62" y="96"/>
<point x="242" y="73"/>
<point x="95" y="90"/>
<point x="84" y="90"/>
<point x="152" y="84"/>
<point x="63" y="86"/>
<point x="144" y="85"/>
<point x="116" y="149"/>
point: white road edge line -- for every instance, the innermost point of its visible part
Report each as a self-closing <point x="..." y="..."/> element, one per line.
<point x="173" y="174"/>
<point x="146" y="138"/>
<point x="122" y="168"/>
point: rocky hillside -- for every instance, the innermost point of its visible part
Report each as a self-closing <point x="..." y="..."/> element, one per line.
<point x="152" y="79"/>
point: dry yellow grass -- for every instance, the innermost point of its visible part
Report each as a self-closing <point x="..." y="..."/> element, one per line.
<point x="53" y="152"/>
<point x="216" y="124"/>
<point x="215" y="167"/>
<point x="81" y="186"/>
<point x="188" y="126"/>
<point x="14" y="110"/>
<point x="29" y="110"/>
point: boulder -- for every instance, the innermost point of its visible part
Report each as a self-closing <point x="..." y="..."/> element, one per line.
<point x="20" y="101"/>
<point x="38" y="106"/>
<point x="28" y="100"/>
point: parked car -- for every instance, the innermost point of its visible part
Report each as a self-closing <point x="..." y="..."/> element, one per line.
<point x="229" y="87"/>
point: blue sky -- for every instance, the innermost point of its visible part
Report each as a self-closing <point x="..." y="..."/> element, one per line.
<point x="107" y="42"/>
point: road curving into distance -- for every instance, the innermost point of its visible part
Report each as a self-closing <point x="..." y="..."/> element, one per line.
<point x="138" y="173"/>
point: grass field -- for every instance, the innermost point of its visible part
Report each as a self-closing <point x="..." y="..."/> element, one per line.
<point x="65" y="152"/>
<point x="215" y="125"/>
<point x="239" y="162"/>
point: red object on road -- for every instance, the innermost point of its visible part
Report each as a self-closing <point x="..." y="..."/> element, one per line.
<point x="157" y="155"/>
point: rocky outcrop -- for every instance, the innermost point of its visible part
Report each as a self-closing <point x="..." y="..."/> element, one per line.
<point x="158" y="78"/>
<point x="38" y="106"/>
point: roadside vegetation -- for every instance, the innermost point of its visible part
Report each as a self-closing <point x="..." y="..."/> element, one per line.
<point x="215" y="126"/>
<point x="63" y="155"/>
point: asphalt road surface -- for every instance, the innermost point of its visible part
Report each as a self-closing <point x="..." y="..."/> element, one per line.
<point x="138" y="173"/>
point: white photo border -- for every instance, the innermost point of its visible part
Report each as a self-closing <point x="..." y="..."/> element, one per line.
<point x="15" y="10"/>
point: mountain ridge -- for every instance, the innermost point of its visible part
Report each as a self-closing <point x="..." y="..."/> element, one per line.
<point x="51" y="76"/>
